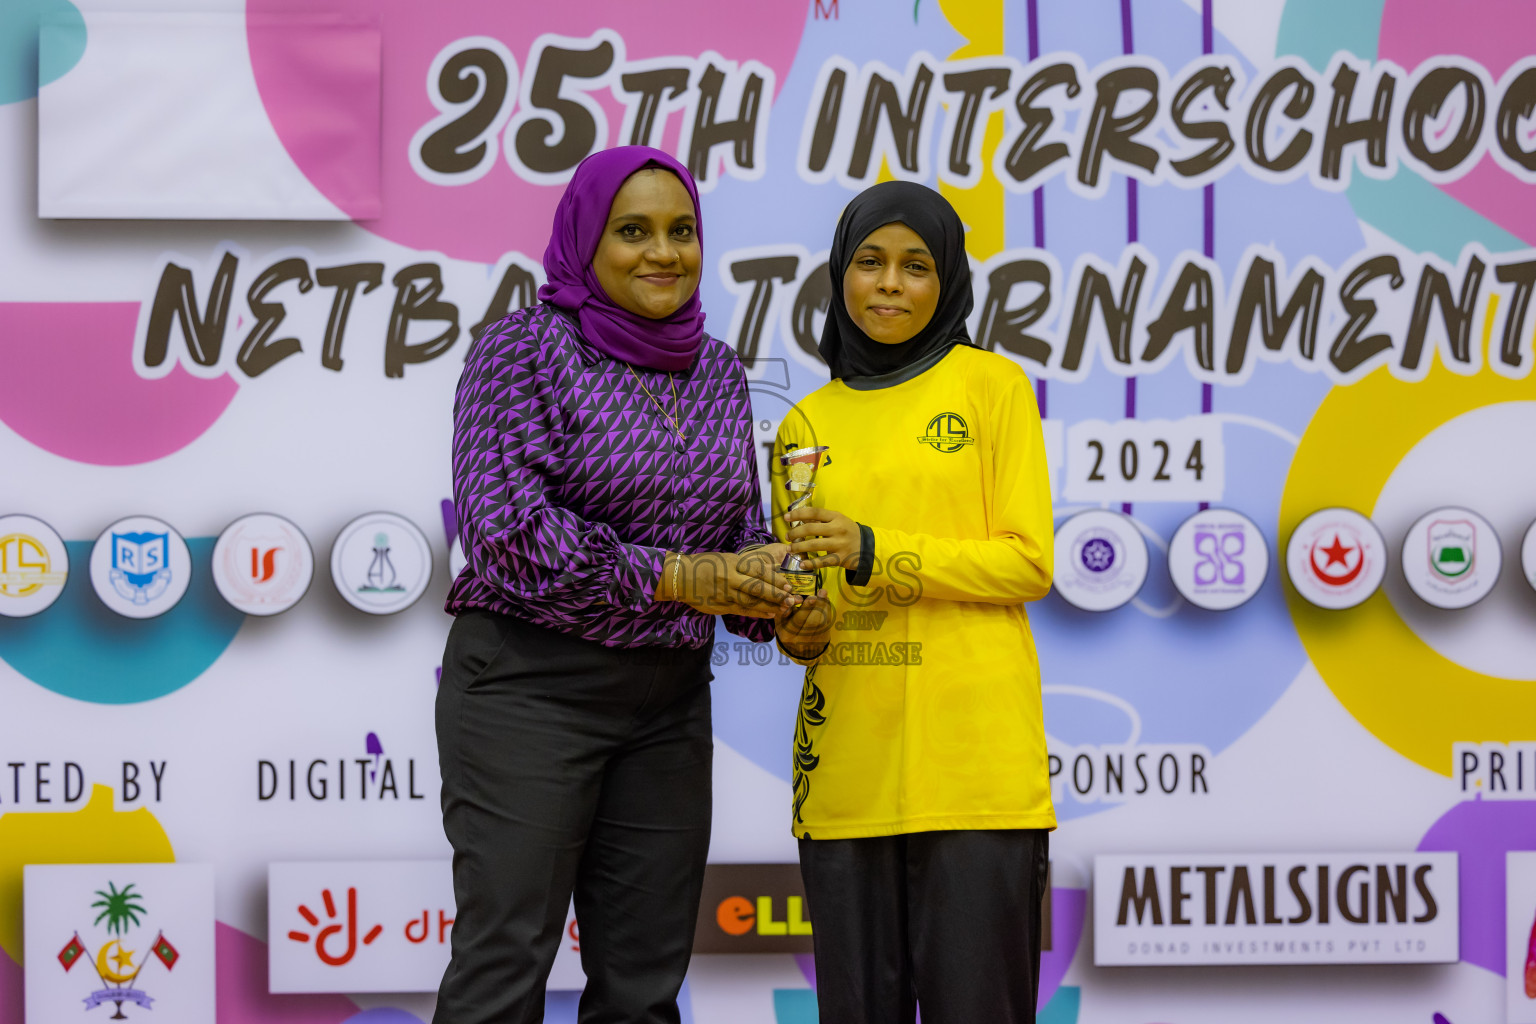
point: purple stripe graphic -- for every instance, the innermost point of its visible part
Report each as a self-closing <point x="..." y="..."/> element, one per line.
<point x="1210" y="221"/>
<point x="1207" y="41"/>
<point x="1128" y="45"/>
<point x="1039" y="197"/>
<point x="1210" y="235"/>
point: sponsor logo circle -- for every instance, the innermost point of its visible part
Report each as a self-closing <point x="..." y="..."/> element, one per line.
<point x="1101" y="560"/>
<point x="34" y="563"/>
<point x="1218" y="559"/>
<point x="140" y="567"/>
<point x="1451" y="558"/>
<point x="262" y="564"/>
<point x="381" y="563"/>
<point x="1528" y="555"/>
<point x="1336" y="558"/>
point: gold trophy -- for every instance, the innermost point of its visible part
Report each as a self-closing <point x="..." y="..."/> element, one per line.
<point x="800" y="479"/>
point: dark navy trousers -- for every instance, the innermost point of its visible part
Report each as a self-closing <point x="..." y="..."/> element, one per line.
<point x="571" y="768"/>
<point x="948" y="922"/>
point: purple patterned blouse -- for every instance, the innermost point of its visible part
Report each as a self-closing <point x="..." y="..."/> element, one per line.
<point x="570" y="485"/>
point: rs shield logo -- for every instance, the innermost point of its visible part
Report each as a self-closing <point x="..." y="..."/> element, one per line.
<point x="947" y="432"/>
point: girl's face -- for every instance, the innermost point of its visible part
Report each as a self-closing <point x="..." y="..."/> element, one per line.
<point x="648" y="258"/>
<point x="891" y="287"/>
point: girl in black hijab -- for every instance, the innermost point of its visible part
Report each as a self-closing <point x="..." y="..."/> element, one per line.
<point x="851" y="354"/>
<point x="922" y="786"/>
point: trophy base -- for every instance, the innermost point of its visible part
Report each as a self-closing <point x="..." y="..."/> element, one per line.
<point x="804" y="582"/>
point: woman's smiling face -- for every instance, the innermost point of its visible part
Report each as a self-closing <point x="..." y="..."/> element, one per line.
<point x="648" y="259"/>
<point x="891" y="287"/>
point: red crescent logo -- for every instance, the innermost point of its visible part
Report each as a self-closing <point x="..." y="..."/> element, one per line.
<point x="1334" y="581"/>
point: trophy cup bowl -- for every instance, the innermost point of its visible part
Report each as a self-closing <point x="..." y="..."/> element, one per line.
<point x="800" y="466"/>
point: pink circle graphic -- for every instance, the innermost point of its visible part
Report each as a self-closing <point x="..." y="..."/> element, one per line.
<point x="69" y="386"/>
<point x="1496" y="35"/>
<point x="499" y="212"/>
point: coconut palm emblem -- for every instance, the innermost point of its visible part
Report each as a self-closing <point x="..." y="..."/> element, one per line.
<point x="118" y="909"/>
<point x="121" y="911"/>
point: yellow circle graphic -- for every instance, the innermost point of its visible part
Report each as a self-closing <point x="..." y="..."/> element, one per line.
<point x="1405" y="692"/>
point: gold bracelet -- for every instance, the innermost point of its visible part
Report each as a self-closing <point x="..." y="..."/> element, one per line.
<point x="677" y="568"/>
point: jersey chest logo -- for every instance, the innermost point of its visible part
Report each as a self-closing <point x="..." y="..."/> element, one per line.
<point x="947" y="432"/>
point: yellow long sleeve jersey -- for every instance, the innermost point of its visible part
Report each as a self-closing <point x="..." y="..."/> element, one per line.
<point x="924" y="713"/>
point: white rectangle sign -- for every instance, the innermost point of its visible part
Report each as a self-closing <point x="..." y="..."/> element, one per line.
<point x="372" y="926"/>
<point x="1281" y="908"/>
<point x="127" y="937"/>
<point x="1145" y="460"/>
<point x="182" y="115"/>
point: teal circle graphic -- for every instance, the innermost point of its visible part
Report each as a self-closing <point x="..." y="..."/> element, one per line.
<point x="80" y="648"/>
<point x="22" y="68"/>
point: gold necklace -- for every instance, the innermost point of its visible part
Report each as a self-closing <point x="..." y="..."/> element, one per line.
<point x="669" y="417"/>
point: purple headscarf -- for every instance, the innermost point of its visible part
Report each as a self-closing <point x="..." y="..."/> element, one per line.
<point x="668" y="344"/>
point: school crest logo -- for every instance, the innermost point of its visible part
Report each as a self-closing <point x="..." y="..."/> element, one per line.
<point x="140" y="572"/>
<point x="118" y="960"/>
<point x="1452" y="547"/>
<point x="1451" y="558"/>
<point x="1336" y="558"/>
<point x="140" y="567"/>
<point x="1218" y="559"/>
<point x="381" y="563"/>
<point x="1103" y="560"/>
<point x="262" y="564"/>
<point x="33" y="566"/>
<point x="1097" y="555"/>
<point x="947" y="432"/>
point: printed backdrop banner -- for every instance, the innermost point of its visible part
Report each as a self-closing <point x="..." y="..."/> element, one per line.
<point x="1268" y="263"/>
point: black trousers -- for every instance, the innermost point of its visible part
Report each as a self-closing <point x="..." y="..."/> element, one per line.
<point x="949" y="921"/>
<point x="571" y="767"/>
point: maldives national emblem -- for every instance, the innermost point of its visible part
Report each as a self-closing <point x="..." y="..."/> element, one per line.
<point x="120" y="936"/>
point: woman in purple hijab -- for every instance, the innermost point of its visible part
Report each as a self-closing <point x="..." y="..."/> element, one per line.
<point x="605" y="480"/>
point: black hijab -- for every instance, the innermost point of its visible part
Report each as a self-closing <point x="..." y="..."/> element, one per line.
<point x="850" y="352"/>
